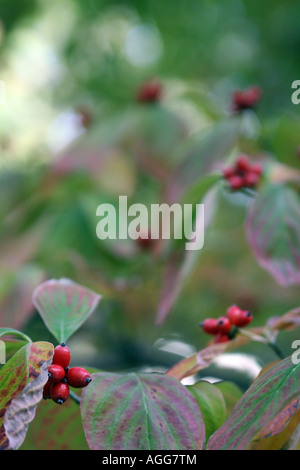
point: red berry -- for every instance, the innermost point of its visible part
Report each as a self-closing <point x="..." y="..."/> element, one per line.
<point x="46" y="390"/>
<point x="224" y="325"/>
<point x="62" y="355"/>
<point x="238" y="317"/>
<point x="59" y="392"/>
<point x="245" y="318"/>
<point x="56" y="373"/>
<point x="78" y="377"/>
<point x="254" y="95"/>
<point x="257" y="168"/>
<point x="149" y="92"/>
<point x="246" y="99"/>
<point x="235" y="182"/>
<point x="228" y="172"/>
<point x="242" y="163"/>
<point x="251" y="179"/>
<point x="210" y="326"/>
<point x="233" y="313"/>
<point x="221" y="338"/>
<point x="145" y="241"/>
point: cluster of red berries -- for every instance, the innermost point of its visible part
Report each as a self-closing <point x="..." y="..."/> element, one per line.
<point x="61" y="377"/>
<point x="246" y="99"/>
<point x="224" y="328"/>
<point x="243" y="174"/>
<point x="149" y="92"/>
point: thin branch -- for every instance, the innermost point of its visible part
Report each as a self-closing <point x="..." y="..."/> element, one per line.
<point x="74" y="397"/>
<point x="276" y="350"/>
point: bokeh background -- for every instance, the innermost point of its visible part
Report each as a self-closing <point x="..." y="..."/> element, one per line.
<point x="72" y="136"/>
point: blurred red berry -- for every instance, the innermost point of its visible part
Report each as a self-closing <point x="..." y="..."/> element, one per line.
<point x="145" y="242"/>
<point x="257" y="168"/>
<point x="149" y="92"/>
<point x="233" y="314"/>
<point x="250" y="179"/>
<point x="221" y="338"/>
<point x="245" y="318"/>
<point x="243" y="173"/>
<point x="235" y="182"/>
<point x="242" y="163"/>
<point x="228" y="172"/>
<point x="239" y="317"/>
<point x="246" y="99"/>
<point x="210" y="326"/>
<point x="224" y="325"/>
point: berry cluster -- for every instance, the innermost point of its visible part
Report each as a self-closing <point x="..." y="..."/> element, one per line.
<point x="61" y="376"/>
<point x="224" y="328"/>
<point x="246" y="99"/>
<point x="243" y="174"/>
<point x="149" y="92"/>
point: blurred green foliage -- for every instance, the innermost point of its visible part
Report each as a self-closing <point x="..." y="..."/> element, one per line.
<point x="63" y="62"/>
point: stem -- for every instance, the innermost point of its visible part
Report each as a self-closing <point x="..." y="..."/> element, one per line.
<point x="276" y="350"/>
<point x="75" y="397"/>
<point x="248" y="192"/>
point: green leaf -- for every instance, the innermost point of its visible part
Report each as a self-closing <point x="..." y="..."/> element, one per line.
<point x="13" y="332"/>
<point x="263" y="411"/>
<point x="211" y="403"/>
<point x="181" y="262"/>
<point x="200" y="154"/>
<point x="21" y="388"/>
<point x="137" y="412"/>
<point x="231" y="394"/>
<point x="273" y="227"/>
<point x="64" y="306"/>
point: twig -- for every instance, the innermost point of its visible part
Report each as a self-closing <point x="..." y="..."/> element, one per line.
<point x="276" y="350"/>
<point x="74" y="397"/>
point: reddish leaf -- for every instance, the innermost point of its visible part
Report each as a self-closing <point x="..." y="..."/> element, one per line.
<point x="202" y="359"/>
<point x="273" y="228"/>
<point x="279" y="423"/>
<point x="265" y="409"/>
<point x="56" y="428"/>
<point x="136" y="412"/>
<point x="21" y="388"/>
<point x="288" y="321"/>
